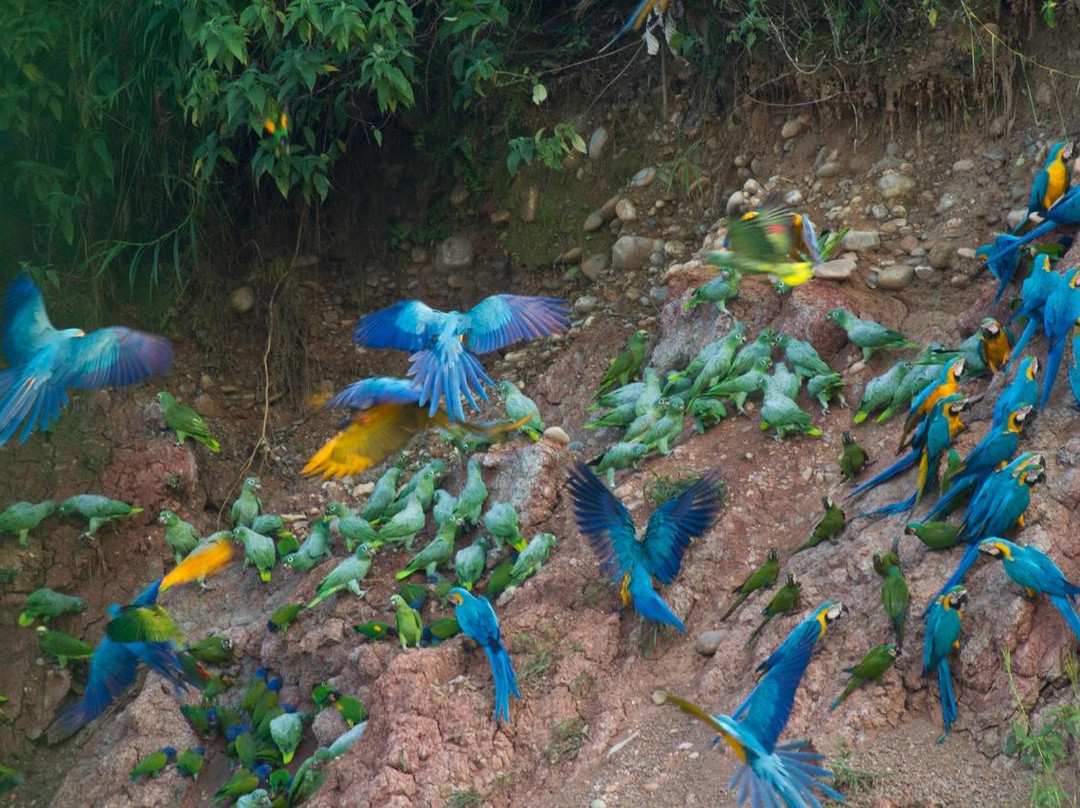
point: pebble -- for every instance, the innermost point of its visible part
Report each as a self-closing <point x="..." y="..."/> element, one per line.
<point x="1015" y="217"/>
<point x="924" y="272"/>
<point x="418" y="255"/>
<point x="242" y="300"/>
<point x="909" y="244"/>
<point x="455" y="252"/>
<point x="793" y="197"/>
<point x="625" y="210"/>
<point x="861" y="240"/>
<point x="829" y="169"/>
<point x="598" y="803"/>
<point x="607" y="210"/>
<point x="791" y="128"/>
<point x="643" y="177"/>
<point x="967" y="164"/>
<point x="674" y="249"/>
<point x="529" y="204"/>
<point x="896" y="277"/>
<point x="945" y="203"/>
<point x="593" y="266"/>
<point x="205" y="382"/>
<point x="586" y="303"/>
<point x="893" y="185"/>
<point x="735" y="203"/>
<point x="880" y="211"/>
<point x="839" y="269"/>
<point x="941" y="255"/>
<point x="658" y="295"/>
<point x="557" y="435"/>
<point x="708" y="642"/>
<point x="631" y="253"/>
<point x="741" y="161"/>
<point x="751" y="187"/>
<point x="593" y="222"/>
<point x="459" y="196"/>
<point x="598" y="142"/>
<point x="571" y="256"/>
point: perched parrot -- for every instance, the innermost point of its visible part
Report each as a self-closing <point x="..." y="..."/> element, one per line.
<point x="469" y="562"/>
<point x="988" y="348"/>
<point x="314" y="550"/>
<point x="410" y="628"/>
<point x="62" y="646"/>
<point x="707" y="412"/>
<point x="1034" y="293"/>
<point x="532" y="558"/>
<point x="285" y="730"/>
<point x="382" y="495"/>
<point x="95" y="509"/>
<point x="880" y="390"/>
<point x="868" y="335"/>
<point x="20" y="518"/>
<point x="501" y="521"/>
<point x="187" y="423"/>
<point x="518" y="406"/>
<point x="872" y="666"/>
<point x="248" y="505"/>
<point x="436" y="553"/>
<point x="770" y="774"/>
<point x="444" y="345"/>
<point x="44" y="604"/>
<point x="1022" y="391"/>
<point x="828" y="527"/>
<point x="478" y="622"/>
<point x="627" y="366"/>
<point x="283" y="617"/>
<point x="346" y="575"/>
<point x="499" y="579"/>
<point x="935" y="535"/>
<point x="946" y="384"/>
<point x="470" y="501"/>
<point x="1002" y="259"/>
<point x="153" y="764"/>
<point x="350" y="708"/>
<point x="761" y="243"/>
<point x="190" y="762"/>
<point x="619" y="456"/>
<point x="853" y="458"/>
<point x="44" y="363"/>
<point x="894" y="595"/>
<point x="802" y="356"/>
<point x="180" y="536"/>
<point x="213" y="649"/>
<point x="781" y="413"/>
<point x="739" y="388"/>
<point x="826" y="387"/>
<point x="1060" y="315"/>
<point x="1036" y="573"/>
<point x="442" y="629"/>
<point x="1065" y="212"/>
<point x="761" y="578"/>
<point x="782" y="381"/>
<point x="943" y="623"/>
<point x="914" y="382"/>
<point x="719" y="290"/>
<point x="355" y="529"/>
<point x="423" y="484"/>
<point x="259" y="551"/>
<point x="746" y="359"/>
<point x="1051" y="182"/>
<point x="610" y="530"/>
<point x="258" y="798"/>
<point x="785" y="601"/>
<point x="244" y="782"/>
<point x="270" y="524"/>
<point x="712" y="363"/>
<point x="404" y="525"/>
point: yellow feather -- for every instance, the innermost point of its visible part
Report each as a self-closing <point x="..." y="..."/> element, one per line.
<point x="206" y="560"/>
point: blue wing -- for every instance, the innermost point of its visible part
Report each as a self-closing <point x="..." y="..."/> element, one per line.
<point x="769" y="705"/>
<point x="32" y="396"/>
<point x="113" y="357"/>
<point x="112" y="671"/>
<point x="674" y="523"/>
<point x="810" y="241"/>
<point x="26" y="325"/>
<point x="502" y="320"/>
<point x="445" y="373"/>
<point x="405" y="326"/>
<point x="604" y="520"/>
<point x="367" y="393"/>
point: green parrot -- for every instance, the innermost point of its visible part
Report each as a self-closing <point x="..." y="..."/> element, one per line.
<point x="180" y="536"/>
<point x="626" y="367"/>
<point x="287" y="545"/>
<point x="469" y="562"/>
<point x="20" y="518"/>
<point x="374" y="630"/>
<point x="187" y="423"/>
<point x="668" y="428"/>
<point x="63" y="646"/>
<point x="650" y="393"/>
<point x="718" y="290"/>
<point x="95" y="509"/>
<point x="953" y="463"/>
<point x="247" y="505"/>
<point x="935" y="535"/>
<point x="785" y="416"/>
<point x="213" y="649"/>
<point x="285" y="730"/>
<point x="853" y="458"/>
<point x="307" y="780"/>
<point x="712" y="362"/>
<point x="443" y="509"/>
<point x="643" y="423"/>
<point x="435" y="553"/>
<point x="410" y="628"/>
<point x="279" y="781"/>
<point x="258" y="798"/>
<point x="190" y="762"/>
<point x="751" y="353"/>
<point x="707" y="412"/>
<point x="916" y="380"/>
<point x="532" y="558"/>
<point x="782" y="382"/>
<point x="621" y="416"/>
<point x="404" y="525"/>
<point x="283" y="617"/>
<point x="802" y="355"/>
<point x="868" y="335"/>
<point x="762" y="242"/>
<point x="9" y="779"/>
<point x="620" y="456"/>
<point x="314" y="550"/>
<point x="323" y="695"/>
<point x="470" y="502"/>
<point x="259" y="550"/>
<point x="243" y="782"/>
<point x="153" y="764"/>
<point x="825" y="387"/>
<point x="444" y="628"/>
<point x="198" y="718"/>
<point x="143" y="624"/>
<point x="270" y="524"/>
<point x="785" y="601"/>
<point x="895" y="597"/>
<point x="761" y="578"/>
<point x="422" y="484"/>
<point x="382" y="495"/>
<point x="346" y="575"/>
<point x="44" y="604"/>
<point x="415" y="594"/>
<point x="350" y="708"/>
<point x="518" y="406"/>
<point x="883" y="562"/>
<point x="499" y="579"/>
<point x="880" y="390"/>
<point x="501" y="521"/>
<point x="627" y="394"/>
<point x="828" y="528"/>
<point x="355" y="529"/>
<point x="738" y="388"/>
<point x="872" y="666"/>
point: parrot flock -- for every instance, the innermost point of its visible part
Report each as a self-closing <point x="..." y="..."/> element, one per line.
<point x="476" y="548"/>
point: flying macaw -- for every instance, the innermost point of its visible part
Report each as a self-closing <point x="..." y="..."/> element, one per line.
<point x="943" y="623"/>
<point x="770" y="774"/>
<point x="385" y="413"/>
<point x="444" y="345"/>
<point x="1036" y="573"/>
<point x="44" y="363"/>
<point x="610" y="530"/>
<point x="996" y="447"/>
<point x="1060" y="314"/>
<point x="809" y="631"/>
<point x="1021" y="391"/>
<point x="477" y="620"/>
<point x="947" y="384"/>
<point x="760" y="243"/>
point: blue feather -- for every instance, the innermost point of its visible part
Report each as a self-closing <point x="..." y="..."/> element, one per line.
<point x="1068" y="611"/>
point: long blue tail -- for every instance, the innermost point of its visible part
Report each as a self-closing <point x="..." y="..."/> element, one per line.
<point x="1053" y="364"/>
<point x="971" y="553"/>
<point x="948" y="697"/>
<point x="889" y="510"/>
<point x="786" y="776"/>
<point x="946" y="503"/>
<point x="905" y="462"/>
<point x="652" y="607"/>
<point x="502" y="670"/>
<point x="1030" y="328"/>
<point x="444" y="376"/>
<point x="1068" y="611"/>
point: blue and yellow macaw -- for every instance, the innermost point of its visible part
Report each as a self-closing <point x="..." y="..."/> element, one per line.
<point x="1065" y="212"/>
<point x="477" y="620"/>
<point x="944" y="620"/>
<point x="385" y="414"/>
<point x="988" y="348"/>
<point x="810" y="630"/>
<point x="1074" y="369"/>
<point x="1035" y="291"/>
<point x="1001" y="258"/>
<point x="943" y="424"/>
<point x="610" y="530"/>
<point x="999" y="504"/>
<point x="444" y="345"/>
<point x="44" y="363"/>
<point x="946" y="384"/>
<point x="637" y="18"/>
<point x="1051" y="182"/>
<point x="1022" y="391"/>
<point x="772" y="775"/>
<point x="1060" y="315"/>
<point x="995" y="449"/>
<point x="1036" y="573"/>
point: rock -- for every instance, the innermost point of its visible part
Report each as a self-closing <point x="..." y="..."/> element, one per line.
<point x="242" y="300"/>
<point x="500" y="218"/>
<point x="1016" y="217"/>
<point x="418" y="255"/>
<point x="529" y="204"/>
<point x="625" y="210"/>
<point x="631" y="253"/>
<point x="607" y="210"/>
<point x="557" y="435"/>
<point x="925" y="272"/>
<point x="735" y="204"/>
<point x="708" y="642"/>
<point x="998" y="126"/>
<point x="894" y="185"/>
<point x="804" y="314"/>
<point x="861" y="240"/>
<point x="828" y="170"/>
<point x="945" y="203"/>
<point x="909" y="244"/>
<point x="896" y="277"/>
<point x="643" y="177"/>
<point x="459" y="196"/>
<point x="658" y="295"/>
<point x="571" y="256"/>
<point x="941" y="254"/>
<point x="586" y="303"/>
<point x="793" y="197"/>
<point x="593" y="222"/>
<point x="839" y="269"/>
<point x="791" y="128"/>
<point x="598" y="142"/>
<point x="454" y="253"/>
<point x="880" y="212"/>
<point x="593" y="266"/>
<point x="751" y="187"/>
<point x="674" y="249"/>
<point x="967" y="164"/>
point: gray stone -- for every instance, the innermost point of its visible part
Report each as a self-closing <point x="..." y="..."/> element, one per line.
<point x="967" y="164"/>
<point x="625" y="210"/>
<point x="1015" y="218"/>
<point x="529" y="204"/>
<point x="557" y="435"/>
<point x="839" y="269"/>
<point x="791" y="128"/>
<point x="571" y="256"/>
<point x="925" y="272"/>
<point x="735" y="203"/>
<point x="945" y="203"/>
<point x="593" y="222"/>
<point x="909" y="244"/>
<point x="631" y="252"/>
<point x="643" y="177"/>
<point x="598" y="141"/>
<point x="894" y="185"/>
<point x="592" y="266"/>
<point x="941" y="255"/>
<point x="828" y="170"/>
<point x="674" y="249"/>
<point x="895" y="277"/>
<point x="741" y="161"/>
<point x="708" y="642"/>
<point x="242" y="300"/>
<point x="793" y="197"/>
<point x="880" y="211"/>
<point x="751" y="187"/>
<point x="500" y="218"/>
<point x="658" y="295"/>
<point x="586" y="303"/>
<point x="861" y="240"/>
<point x="459" y="196"/>
<point x="607" y="210"/>
<point x="454" y="253"/>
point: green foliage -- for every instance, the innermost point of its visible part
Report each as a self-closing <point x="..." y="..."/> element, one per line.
<point x="550" y="150"/>
<point x="848" y="779"/>
<point x="567" y="737"/>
